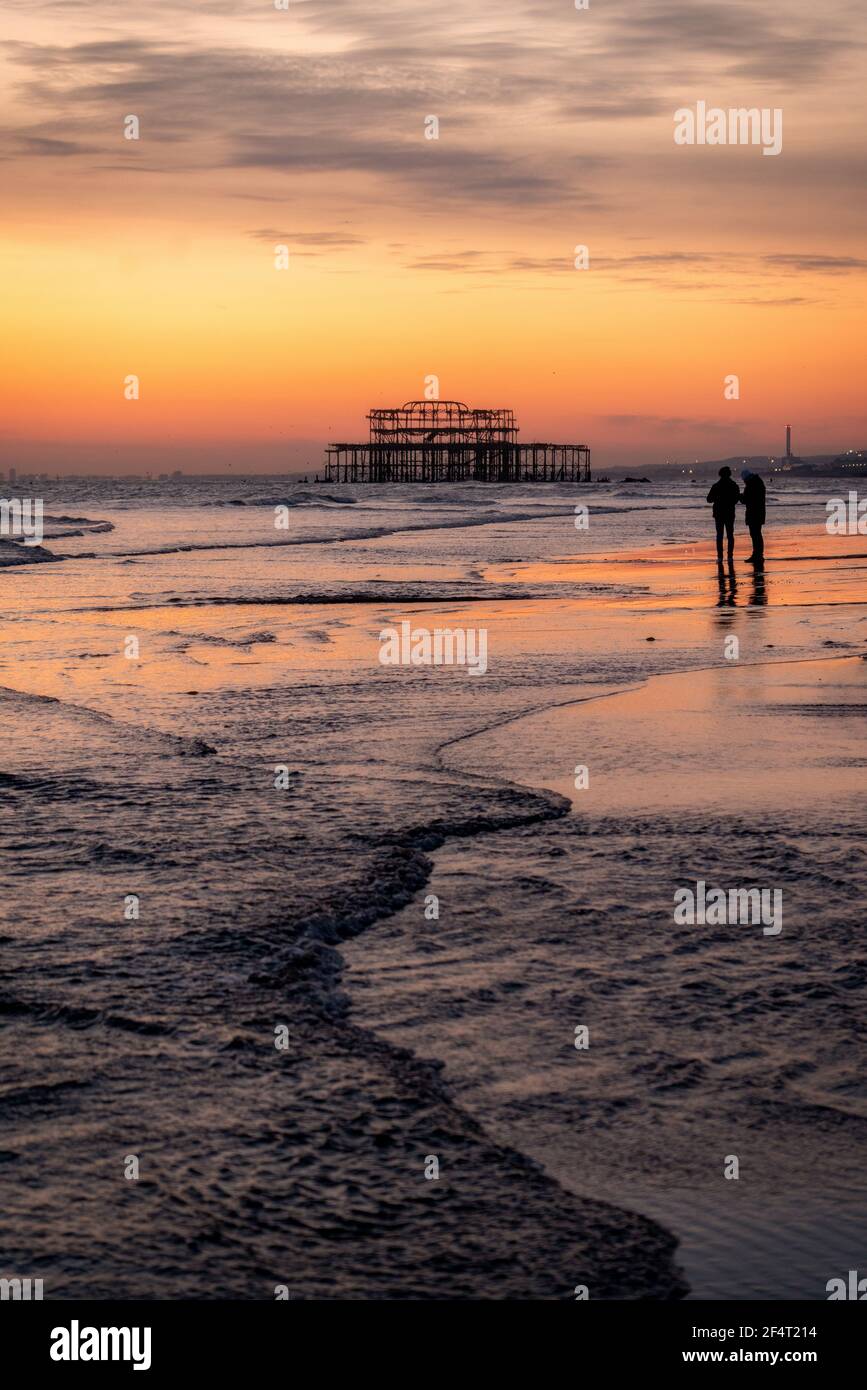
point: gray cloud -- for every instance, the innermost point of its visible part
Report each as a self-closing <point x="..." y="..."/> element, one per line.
<point x="332" y="241"/>
<point x="662" y="270"/>
<point x="221" y="109"/>
<point x="742" y="39"/>
<point x="781" y="302"/>
<point x="671" y="422"/>
<point x="46" y="145"/>
<point x="811" y="263"/>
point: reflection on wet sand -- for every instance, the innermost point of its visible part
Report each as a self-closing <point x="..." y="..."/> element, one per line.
<point x="755" y="595"/>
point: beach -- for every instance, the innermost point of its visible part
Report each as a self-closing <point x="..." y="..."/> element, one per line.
<point x="282" y="806"/>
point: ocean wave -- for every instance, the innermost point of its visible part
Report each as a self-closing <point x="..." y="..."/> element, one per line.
<point x="299" y="499"/>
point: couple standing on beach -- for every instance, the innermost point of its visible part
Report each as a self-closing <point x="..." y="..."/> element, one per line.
<point x="725" y="496"/>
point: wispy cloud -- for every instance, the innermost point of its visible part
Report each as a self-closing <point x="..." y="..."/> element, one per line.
<point x="812" y="263"/>
<point x="324" y="241"/>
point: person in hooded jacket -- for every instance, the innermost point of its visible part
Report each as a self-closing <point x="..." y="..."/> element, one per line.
<point x="753" y="498"/>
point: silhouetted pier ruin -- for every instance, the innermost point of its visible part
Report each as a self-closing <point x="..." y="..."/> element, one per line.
<point x="446" y="442"/>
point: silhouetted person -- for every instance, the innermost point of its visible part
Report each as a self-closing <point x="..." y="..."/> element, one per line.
<point x="753" y="498"/>
<point x="725" y="496"/>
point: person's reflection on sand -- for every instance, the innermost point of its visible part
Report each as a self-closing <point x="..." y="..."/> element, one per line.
<point x="728" y="585"/>
<point x="759" y="594"/>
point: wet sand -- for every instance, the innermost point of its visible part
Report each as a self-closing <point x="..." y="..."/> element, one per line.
<point x="706" y="1041"/>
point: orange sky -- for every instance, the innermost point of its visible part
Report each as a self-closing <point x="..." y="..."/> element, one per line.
<point x="410" y="257"/>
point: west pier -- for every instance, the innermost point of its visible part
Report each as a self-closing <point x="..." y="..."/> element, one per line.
<point x="445" y="442"/>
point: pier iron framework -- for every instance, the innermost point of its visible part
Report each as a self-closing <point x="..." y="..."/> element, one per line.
<point x="445" y="441"/>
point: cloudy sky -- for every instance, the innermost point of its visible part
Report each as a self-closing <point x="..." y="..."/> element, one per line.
<point x="411" y="257"/>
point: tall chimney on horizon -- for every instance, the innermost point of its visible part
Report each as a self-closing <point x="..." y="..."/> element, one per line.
<point x="788" y="441"/>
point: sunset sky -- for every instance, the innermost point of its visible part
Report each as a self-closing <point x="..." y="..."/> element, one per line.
<point x="411" y="257"/>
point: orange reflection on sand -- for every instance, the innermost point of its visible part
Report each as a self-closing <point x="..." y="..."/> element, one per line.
<point x="803" y="566"/>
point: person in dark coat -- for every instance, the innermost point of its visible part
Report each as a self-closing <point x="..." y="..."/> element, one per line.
<point x="753" y="498"/>
<point x="725" y="495"/>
